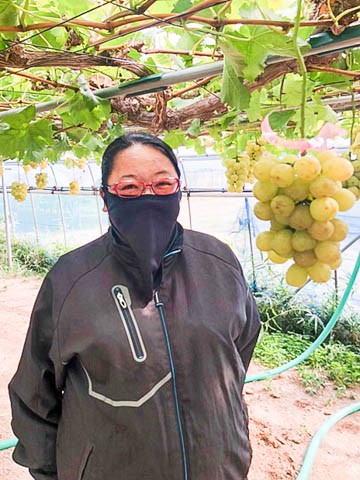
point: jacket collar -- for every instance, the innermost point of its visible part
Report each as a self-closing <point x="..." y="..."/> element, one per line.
<point x="142" y="279"/>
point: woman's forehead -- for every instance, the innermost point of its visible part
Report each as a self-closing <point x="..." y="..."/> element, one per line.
<point x="142" y="160"/>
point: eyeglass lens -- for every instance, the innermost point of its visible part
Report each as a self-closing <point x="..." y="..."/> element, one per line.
<point x="163" y="186"/>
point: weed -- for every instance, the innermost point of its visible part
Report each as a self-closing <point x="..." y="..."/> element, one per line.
<point x="329" y="362"/>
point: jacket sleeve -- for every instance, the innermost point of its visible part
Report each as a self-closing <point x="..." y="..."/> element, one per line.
<point x="35" y="391"/>
<point x="246" y="342"/>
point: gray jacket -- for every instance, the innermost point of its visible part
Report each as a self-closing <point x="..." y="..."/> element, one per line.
<point x="117" y="382"/>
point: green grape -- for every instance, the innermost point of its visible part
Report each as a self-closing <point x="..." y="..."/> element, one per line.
<point x="264" y="191"/>
<point x="296" y="276"/>
<point x="302" y="241"/>
<point x="300" y="218"/>
<point x="282" y="175"/>
<point x="282" y="205"/>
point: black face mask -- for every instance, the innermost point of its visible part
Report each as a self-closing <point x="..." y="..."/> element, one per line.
<point x="146" y="224"/>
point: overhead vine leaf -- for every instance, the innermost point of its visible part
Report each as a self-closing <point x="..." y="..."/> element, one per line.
<point x="233" y="91"/>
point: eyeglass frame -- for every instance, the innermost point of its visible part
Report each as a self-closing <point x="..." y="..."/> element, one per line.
<point x="144" y="185"/>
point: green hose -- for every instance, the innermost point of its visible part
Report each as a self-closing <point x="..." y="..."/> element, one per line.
<point x="317" y="438"/>
<point x="334" y="318"/>
<point x="4" y="444"/>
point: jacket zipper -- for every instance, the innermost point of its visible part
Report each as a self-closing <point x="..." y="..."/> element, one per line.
<point x="129" y="322"/>
<point x="159" y="305"/>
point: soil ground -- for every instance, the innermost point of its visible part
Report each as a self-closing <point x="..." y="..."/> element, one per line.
<point x="283" y="417"/>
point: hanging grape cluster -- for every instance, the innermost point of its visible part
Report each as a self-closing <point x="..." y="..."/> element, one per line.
<point x="41" y="180"/>
<point x="301" y="197"/>
<point x="74" y="187"/>
<point x="237" y="172"/>
<point x="72" y="162"/>
<point x="240" y="169"/>
<point x="19" y="191"/>
<point x="254" y="150"/>
<point x="353" y="183"/>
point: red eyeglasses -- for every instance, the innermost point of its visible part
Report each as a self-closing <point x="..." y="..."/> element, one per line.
<point x="133" y="188"/>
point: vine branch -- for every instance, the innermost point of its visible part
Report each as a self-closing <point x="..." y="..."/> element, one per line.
<point x="302" y="68"/>
<point x="109" y="26"/>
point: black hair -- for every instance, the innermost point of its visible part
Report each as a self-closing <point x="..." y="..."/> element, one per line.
<point x="126" y="141"/>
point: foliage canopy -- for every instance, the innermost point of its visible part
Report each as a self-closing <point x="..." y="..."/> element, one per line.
<point x="64" y="49"/>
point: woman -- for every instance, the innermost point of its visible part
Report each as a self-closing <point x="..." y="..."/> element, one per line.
<point x="138" y="345"/>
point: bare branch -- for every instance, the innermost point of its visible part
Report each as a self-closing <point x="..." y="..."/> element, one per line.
<point x="16" y="57"/>
<point x="42" y="80"/>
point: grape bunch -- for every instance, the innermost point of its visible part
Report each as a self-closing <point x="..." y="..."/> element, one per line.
<point x="237" y="171"/>
<point x="74" y="187"/>
<point x="353" y="183"/>
<point x="355" y="144"/>
<point x="69" y="162"/>
<point x="19" y="191"/>
<point x="1" y="169"/>
<point x="26" y="168"/>
<point x="43" y="164"/>
<point x="254" y="150"/>
<point x="301" y="198"/>
<point x="41" y="180"/>
<point x="81" y="163"/>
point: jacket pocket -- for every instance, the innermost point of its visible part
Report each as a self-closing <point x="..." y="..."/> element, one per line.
<point x="85" y="461"/>
<point x="122" y="300"/>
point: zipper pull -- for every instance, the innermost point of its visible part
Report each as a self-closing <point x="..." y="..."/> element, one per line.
<point x="121" y="299"/>
<point x="157" y="301"/>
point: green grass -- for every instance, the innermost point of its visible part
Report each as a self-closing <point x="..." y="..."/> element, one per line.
<point x="281" y="311"/>
<point x="332" y="362"/>
<point x="28" y="259"/>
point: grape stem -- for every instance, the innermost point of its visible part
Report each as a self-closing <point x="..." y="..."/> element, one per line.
<point x="302" y="68"/>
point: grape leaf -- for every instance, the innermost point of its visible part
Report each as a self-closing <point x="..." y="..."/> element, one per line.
<point x="254" y="44"/>
<point x="279" y="120"/>
<point x="257" y="98"/>
<point x="92" y="142"/>
<point x="82" y="109"/>
<point x="70" y="8"/>
<point x="233" y="91"/>
<point x="187" y="40"/>
<point x="315" y="116"/>
<point x="194" y="128"/>
<point x="181" y="6"/>
<point x="8" y="13"/>
<point x="227" y="119"/>
<point x="37" y="138"/>
<point x="13" y="131"/>
<point x="21" y="119"/>
<point x="233" y="55"/>
<point x="175" y="138"/>
<point x="81" y="152"/>
<point x="293" y="90"/>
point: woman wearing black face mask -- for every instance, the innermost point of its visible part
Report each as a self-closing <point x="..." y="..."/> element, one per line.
<point x="139" y="342"/>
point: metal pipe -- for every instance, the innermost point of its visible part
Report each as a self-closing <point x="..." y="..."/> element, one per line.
<point x="96" y="199"/>
<point x="143" y="85"/>
<point x="6" y="215"/>
<point x="60" y="208"/>
<point x="33" y="212"/>
<point x="206" y="193"/>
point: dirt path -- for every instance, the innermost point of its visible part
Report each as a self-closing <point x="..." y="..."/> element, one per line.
<point x="283" y="417"/>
